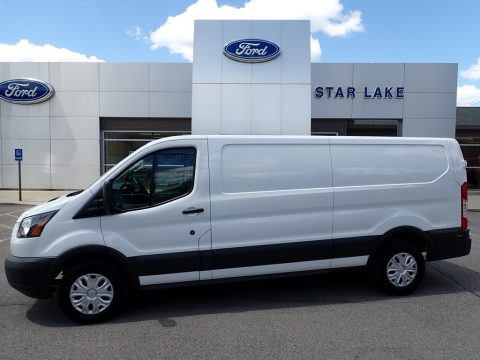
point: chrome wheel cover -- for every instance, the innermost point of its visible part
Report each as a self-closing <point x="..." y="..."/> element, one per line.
<point x="401" y="269"/>
<point x="91" y="293"/>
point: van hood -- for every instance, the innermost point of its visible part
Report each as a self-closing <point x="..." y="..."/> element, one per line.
<point x="51" y="205"/>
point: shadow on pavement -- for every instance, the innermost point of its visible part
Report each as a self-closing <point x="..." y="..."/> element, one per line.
<point x="341" y="287"/>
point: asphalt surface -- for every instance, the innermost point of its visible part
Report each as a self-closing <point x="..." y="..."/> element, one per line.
<point x="330" y="316"/>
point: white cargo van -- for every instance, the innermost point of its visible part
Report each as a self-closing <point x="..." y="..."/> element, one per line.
<point x="196" y="209"/>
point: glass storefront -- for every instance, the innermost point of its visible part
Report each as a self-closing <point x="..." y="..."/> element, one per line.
<point x="117" y="144"/>
<point x="471" y="153"/>
<point x="356" y="127"/>
<point x="372" y="127"/>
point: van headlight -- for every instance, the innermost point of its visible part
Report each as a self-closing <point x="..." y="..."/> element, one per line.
<point x="33" y="226"/>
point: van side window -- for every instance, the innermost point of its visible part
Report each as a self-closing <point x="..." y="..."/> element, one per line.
<point x="157" y="178"/>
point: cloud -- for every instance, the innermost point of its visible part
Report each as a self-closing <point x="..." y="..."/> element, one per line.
<point x="24" y="50"/>
<point x="327" y="16"/>
<point x="468" y="95"/>
<point x="473" y="72"/>
<point x="315" y="50"/>
<point x="138" y="34"/>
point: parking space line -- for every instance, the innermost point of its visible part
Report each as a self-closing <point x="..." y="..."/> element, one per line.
<point x="10" y="215"/>
<point x="2" y="240"/>
<point x="475" y="235"/>
<point x="6" y="226"/>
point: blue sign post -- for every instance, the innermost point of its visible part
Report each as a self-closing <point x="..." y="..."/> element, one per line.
<point x="18" y="154"/>
<point x="19" y="158"/>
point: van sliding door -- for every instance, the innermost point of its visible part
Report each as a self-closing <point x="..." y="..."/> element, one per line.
<point x="271" y="203"/>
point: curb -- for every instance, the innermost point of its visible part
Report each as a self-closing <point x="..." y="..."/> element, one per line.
<point x="21" y="203"/>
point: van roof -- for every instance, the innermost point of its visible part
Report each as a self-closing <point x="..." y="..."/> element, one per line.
<point x="332" y="139"/>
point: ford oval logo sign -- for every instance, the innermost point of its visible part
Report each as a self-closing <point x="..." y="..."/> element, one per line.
<point x="25" y="91"/>
<point x="251" y="50"/>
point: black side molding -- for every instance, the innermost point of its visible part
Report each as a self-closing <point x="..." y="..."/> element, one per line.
<point x="449" y="243"/>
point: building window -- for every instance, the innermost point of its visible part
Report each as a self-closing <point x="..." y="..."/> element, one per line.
<point x="471" y="153"/>
<point x="373" y="127"/>
<point x="117" y="144"/>
<point x="356" y="127"/>
<point x="324" y="133"/>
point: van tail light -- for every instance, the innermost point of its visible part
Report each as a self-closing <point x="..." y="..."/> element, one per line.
<point x="464" y="195"/>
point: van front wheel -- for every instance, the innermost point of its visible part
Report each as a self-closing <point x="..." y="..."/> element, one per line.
<point x="400" y="269"/>
<point x="90" y="293"/>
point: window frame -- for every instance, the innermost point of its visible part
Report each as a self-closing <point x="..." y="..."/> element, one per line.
<point x="152" y="181"/>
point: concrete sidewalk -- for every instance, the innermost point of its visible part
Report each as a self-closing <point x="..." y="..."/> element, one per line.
<point x="30" y="197"/>
<point x="36" y="197"/>
<point x="474" y="200"/>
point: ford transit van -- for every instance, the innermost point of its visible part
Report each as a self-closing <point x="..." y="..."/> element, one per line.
<point x="197" y="209"/>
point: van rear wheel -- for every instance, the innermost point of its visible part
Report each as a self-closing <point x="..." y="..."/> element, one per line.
<point x="400" y="269"/>
<point x="90" y="293"/>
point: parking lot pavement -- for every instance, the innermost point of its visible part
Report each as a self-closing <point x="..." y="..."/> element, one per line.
<point x="8" y="216"/>
<point x="331" y="316"/>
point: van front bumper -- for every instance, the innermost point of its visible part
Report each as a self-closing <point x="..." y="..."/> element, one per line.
<point x="30" y="276"/>
<point x="449" y="243"/>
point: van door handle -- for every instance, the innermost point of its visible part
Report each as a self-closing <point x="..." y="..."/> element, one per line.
<point x="192" y="210"/>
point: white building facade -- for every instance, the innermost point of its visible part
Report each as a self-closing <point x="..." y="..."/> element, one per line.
<point x="100" y="112"/>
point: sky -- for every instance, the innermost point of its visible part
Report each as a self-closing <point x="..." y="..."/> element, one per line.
<point x="162" y="31"/>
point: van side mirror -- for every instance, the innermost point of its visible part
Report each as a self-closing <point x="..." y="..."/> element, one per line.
<point x="107" y="195"/>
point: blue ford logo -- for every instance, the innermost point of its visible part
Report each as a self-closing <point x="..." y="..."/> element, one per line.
<point x="25" y="91"/>
<point x="251" y="50"/>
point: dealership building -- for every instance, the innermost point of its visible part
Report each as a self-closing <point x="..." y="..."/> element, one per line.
<point x="247" y="77"/>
